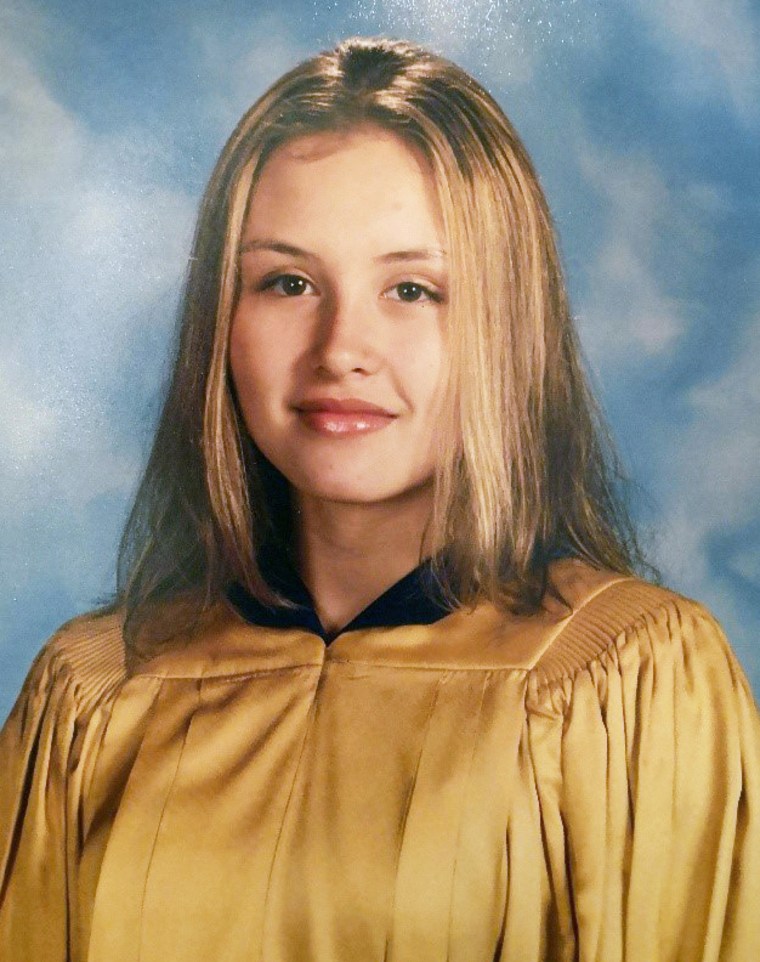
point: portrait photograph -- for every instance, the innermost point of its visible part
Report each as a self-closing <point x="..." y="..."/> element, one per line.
<point x="380" y="481"/>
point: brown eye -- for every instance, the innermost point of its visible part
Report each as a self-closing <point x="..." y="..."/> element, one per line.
<point x="288" y="285"/>
<point x="410" y="292"/>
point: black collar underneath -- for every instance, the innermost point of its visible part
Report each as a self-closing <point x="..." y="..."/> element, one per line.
<point x="416" y="599"/>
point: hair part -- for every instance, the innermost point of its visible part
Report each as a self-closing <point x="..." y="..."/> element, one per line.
<point x="527" y="471"/>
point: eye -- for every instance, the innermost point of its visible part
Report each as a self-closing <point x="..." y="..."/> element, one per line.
<point x="286" y="285"/>
<point x="410" y="292"/>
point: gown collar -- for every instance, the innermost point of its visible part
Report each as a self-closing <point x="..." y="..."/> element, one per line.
<point x="415" y="599"/>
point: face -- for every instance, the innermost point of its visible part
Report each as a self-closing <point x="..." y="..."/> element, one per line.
<point x="337" y="341"/>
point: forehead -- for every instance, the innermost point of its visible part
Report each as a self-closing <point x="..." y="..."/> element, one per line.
<point x="366" y="172"/>
<point x="364" y="136"/>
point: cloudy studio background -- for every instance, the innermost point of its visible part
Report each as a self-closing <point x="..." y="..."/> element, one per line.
<point x="643" y="118"/>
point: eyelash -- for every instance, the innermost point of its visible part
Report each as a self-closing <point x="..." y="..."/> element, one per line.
<point x="430" y="295"/>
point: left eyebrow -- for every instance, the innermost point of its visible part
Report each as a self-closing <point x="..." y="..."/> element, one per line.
<point x="421" y="254"/>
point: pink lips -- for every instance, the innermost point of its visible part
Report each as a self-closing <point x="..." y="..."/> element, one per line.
<point x="343" y="416"/>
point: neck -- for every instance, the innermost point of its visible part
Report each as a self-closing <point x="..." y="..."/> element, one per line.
<point x="349" y="554"/>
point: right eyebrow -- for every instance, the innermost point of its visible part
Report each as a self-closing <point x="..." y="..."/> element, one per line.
<point x="280" y="247"/>
<point x="273" y="245"/>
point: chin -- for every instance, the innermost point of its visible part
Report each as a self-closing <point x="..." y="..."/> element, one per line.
<point x="346" y="493"/>
<point x="360" y="491"/>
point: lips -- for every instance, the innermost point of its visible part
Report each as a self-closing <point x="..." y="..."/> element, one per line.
<point x="343" y="417"/>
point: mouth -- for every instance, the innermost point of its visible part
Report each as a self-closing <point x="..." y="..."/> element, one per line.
<point x="343" y="417"/>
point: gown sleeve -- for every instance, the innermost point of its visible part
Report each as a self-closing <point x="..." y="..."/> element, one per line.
<point x="647" y="770"/>
<point x="43" y="763"/>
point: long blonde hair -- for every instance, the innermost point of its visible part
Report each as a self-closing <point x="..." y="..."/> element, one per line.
<point x="526" y="471"/>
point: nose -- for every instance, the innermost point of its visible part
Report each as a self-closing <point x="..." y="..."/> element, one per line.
<point x="346" y="339"/>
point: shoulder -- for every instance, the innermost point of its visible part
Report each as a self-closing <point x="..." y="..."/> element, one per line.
<point x="69" y="691"/>
<point x="83" y="660"/>
<point x="643" y="744"/>
<point x="628" y="627"/>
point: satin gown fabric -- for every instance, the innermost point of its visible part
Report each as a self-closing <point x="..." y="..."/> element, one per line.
<point x="575" y="785"/>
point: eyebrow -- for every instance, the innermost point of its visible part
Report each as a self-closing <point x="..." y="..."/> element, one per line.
<point x="416" y="254"/>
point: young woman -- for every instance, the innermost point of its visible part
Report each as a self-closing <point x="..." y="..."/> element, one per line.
<point x="380" y="682"/>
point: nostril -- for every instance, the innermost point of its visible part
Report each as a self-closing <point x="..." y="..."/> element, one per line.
<point x="340" y="350"/>
<point x="338" y="363"/>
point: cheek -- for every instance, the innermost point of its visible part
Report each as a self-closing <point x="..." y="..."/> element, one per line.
<point x="426" y="372"/>
<point x="251" y="368"/>
<point x="434" y="401"/>
<point x="241" y="360"/>
<point x="257" y="361"/>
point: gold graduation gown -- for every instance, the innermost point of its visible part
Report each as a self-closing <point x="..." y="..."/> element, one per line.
<point x="575" y="785"/>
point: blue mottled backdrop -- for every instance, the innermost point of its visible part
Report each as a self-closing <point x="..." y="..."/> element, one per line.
<point x="643" y="119"/>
